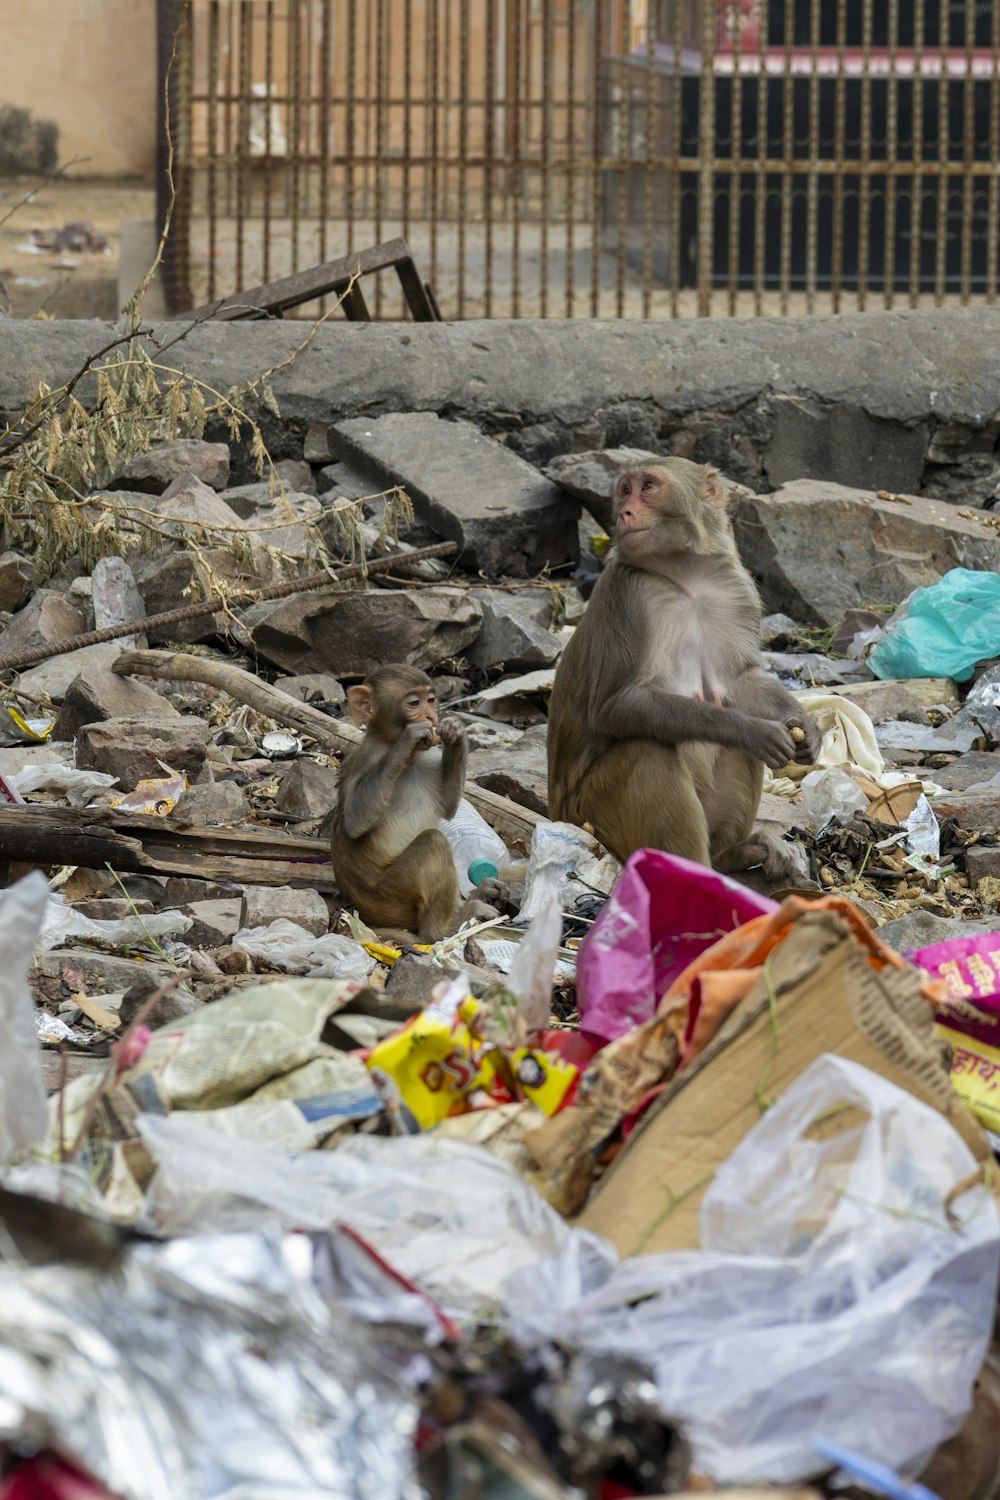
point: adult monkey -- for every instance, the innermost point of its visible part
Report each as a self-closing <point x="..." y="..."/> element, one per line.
<point x="662" y="719"/>
<point x="390" y="859"/>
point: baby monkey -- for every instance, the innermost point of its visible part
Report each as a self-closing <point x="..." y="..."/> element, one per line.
<point x="390" y="859"/>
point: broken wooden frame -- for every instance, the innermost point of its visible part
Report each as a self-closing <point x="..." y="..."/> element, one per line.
<point x="340" y="278"/>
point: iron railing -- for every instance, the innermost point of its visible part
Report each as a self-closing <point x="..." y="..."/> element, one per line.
<point x="594" y="157"/>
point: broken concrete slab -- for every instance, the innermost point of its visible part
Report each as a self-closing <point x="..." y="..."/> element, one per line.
<point x="221" y="804"/>
<point x="263" y="905"/>
<point x="506" y="517"/>
<point x="352" y="633"/>
<point x="513" y="632"/>
<point x="906" y="699"/>
<point x="137" y="749"/>
<point x="590" y="477"/>
<point x="817" y="548"/>
<point x="96" y="694"/>
<point x="153" y="471"/>
<point x="308" y="790"/>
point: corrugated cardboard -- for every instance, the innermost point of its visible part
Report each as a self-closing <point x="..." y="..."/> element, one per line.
<point x="819" y="994"/>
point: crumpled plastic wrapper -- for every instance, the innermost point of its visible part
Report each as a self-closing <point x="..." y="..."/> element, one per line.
<point x="206" y="1368"/>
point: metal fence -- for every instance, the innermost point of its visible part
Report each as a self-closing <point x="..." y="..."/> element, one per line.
<point x="613" y="158"/>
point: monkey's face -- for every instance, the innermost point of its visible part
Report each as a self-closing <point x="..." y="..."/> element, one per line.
<point x="419" y="705"/>
<point x="650" y="515"/>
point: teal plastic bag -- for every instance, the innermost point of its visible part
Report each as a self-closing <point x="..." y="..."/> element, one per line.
<point x="948" y="628"/>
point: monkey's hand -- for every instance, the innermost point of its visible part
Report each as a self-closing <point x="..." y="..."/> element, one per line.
<point x="806" y="734"/>
<point x="771" y="742"/>
<point x="452" y="732"/>
<point x="416" y="738"/>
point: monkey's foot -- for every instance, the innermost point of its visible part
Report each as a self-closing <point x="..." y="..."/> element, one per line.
<point x="774" y="864"/>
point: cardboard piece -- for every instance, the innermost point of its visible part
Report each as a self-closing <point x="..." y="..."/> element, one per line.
<point x="818" y="994"/>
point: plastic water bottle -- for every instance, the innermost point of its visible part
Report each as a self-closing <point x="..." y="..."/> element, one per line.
<point x="473" y="843"/>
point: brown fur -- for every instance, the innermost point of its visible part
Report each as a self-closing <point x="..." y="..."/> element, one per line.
<point x="390" y="859"/>
<point x="661" y="717"/>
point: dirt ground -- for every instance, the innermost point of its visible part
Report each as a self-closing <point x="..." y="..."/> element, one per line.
<point x="83" y="285"/>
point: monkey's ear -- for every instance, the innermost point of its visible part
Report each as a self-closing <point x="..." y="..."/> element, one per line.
<point x="713" y="493"/>
<point x="360" y="704"/>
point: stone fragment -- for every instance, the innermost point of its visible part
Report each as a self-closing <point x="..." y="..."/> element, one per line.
<point x="181" y="890"/>
<point x="513" y="631"/>
<point x="178" y="458"/>
<point x="977" y="810"/>
<point x="100" y="973"/>
<point x="188" y="505"/>
<point x="117" y="600"/>
<point x="920" y="929"/>
<point x="907" y="699"/>
<point x="352" y="633"/>
<point x="970" y="770"/>
<point x="296" y="475"/>
<point x="316" y="443"/>
<point x="506" y="517"/>
<point x="813" y="669"/>
<point x="519" y="772"/>
<point x="264" y="904"/>
<point x="111" y="908"/>
<point x="308" y="790"/>
<point x="817" y="548"/>
<point x="47" y="619"/>
<point x="15" y="581"/>
<point x="313" y="687"/>
<point x="96" y="694"/>
<point x="590" y="477"/>
<point x="173" y="1006"/>
<point x="54" y="676"/>
<point x="982" y="863"/>
<point x="413" y="977"/>
<point x="171" y="580"/>
<point x="843" y="443"/>
<point x="220" y="804"/>
<point x="214" y="922"/>
<point x="137" y="749"/>
<point x="778" y="632"/>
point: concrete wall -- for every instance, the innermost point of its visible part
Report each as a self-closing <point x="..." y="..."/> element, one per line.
<point x="90" y="67"/>
<point x="902" y="401"/>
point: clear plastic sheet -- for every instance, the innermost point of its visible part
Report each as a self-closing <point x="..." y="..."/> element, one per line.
<point x="210" y="1368"/>
<point x="288" y="946"/>
<point x="846" y="1287"/>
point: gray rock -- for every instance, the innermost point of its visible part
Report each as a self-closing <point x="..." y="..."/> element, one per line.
<point x="54" y="676"/>
<point x="976" y="808"/>
<point x="47" y="619"/>
<point x="919" y="929"/>
<point x="777" y="630"/>
<point x="151" y="472"/>
<point x="316" y="443"/>
<point x="412" y="979"/>
<point x="343" y="481"/>
<point x="173" y="1006"/>
<point x="896" y="734"/>
<point x="969" y="770"/>
<point x="218" y="804"/>
<point x="811" y="668"/>
<point x="350" y="634"/>
<point x="308" y="790"/>
<point x="189" y="505"/>
<point x="313" y="687"/>
<point x="117" y="600"/>
<point x="817" y="549"/>
<point x="590" y="477"/>
<point x="981" y="863"/>
<point x="111" y="908"/>
<point x="214" y="924"/>
<point x="101" y="973"/>
<point x="182" y="890"/>
<point x="519" y="771"/>
<point x="505" y="516"/>
<point x="96" y="694"/>
<point x="169" y="580"/>
<point x="513" y="631"/>
<point x="137" y="749"/>
<point x="906" y="700"/>
<point x="296" y="475"/>
<point x="263" y="905"/>
<point x="844" y="445"/>
<point x="15" y="581"/>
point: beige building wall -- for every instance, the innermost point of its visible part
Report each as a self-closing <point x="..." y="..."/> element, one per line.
<point x="89" y="66"/>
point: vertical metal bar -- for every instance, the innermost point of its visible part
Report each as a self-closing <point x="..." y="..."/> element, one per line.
<point x="788" y="156"/>
<point x="268" y="152"/>
<point x="864" y="205"/>
<point x="242" y="146"/>
<point x="434" y="104"/>
<point x="213" y="141"/>
<point x="676" y="196"/>
<point x="350" y="120"/>
<point x="547" y="119"/>
<point x="891" y="157"/>
<point x="649" y="182"/>
<point x="760" y="197"/>
<point x="184" y="148"/>
<point x="993" y="199"/>
<point x="570" y="153"/>
<point x="969" y="151"/>
<point x="229" y="115"/>
<point x="812" y="186"/>
<point x="515" y="164"/>
<point x="916" y="200"/>
<point x="326" y="87"/>
<point x="736" y="157"/>
<point x="597" y="106"/>
<point x="840" y="128"/>
<point x="176" y="249"/>
<point x="624" y="154"/>
<point x="407" y="111"/>
<point x="463" y="146"/>
<point x="295" y="84"/>
<point x="489" y="149"/>
<point x="380" y="21"/>
<point x="943" y="154"/>
<point x="706" y="173"/>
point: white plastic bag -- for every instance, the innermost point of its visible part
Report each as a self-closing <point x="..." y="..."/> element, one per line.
<point x="842" y="1291"/>
<point x="290" y="947"/>
<point x="564" y="863"/>
<point x="829" y="795"/>
<point x="61" y="922"/>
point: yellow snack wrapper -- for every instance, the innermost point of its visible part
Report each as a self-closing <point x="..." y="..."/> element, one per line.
<point x="425" y="1070"/>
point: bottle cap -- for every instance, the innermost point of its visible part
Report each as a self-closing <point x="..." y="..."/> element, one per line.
<point x="482" y="869"/>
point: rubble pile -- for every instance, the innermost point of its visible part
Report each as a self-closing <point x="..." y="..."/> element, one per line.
<point x="642" y="1180"/>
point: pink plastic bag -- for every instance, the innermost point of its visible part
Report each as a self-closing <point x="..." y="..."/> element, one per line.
<point x="969" y="1018"/>
<point x="663" y="912"/>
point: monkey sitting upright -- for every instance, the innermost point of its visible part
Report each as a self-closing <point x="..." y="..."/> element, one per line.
<point x="390" y="859"/>
<point x="662" y="719"/>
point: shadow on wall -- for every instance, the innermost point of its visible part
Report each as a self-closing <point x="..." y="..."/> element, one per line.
<point x="27" y="146"/>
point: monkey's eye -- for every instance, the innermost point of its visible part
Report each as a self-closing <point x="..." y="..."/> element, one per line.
<point x="649" y="484"/>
